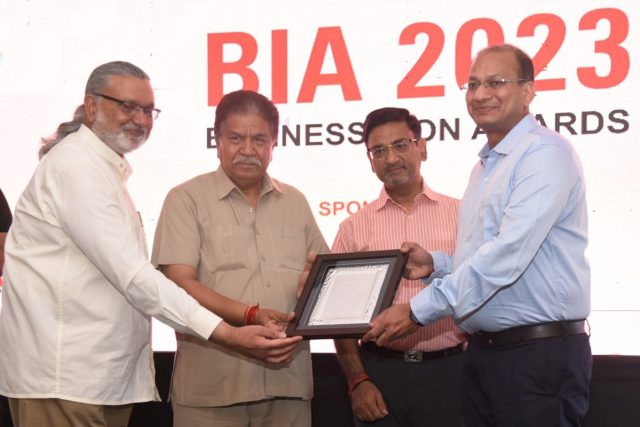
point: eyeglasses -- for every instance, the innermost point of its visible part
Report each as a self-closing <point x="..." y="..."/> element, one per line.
<point x="490" y="84"/>
<point x="399" y="146"/>
<point x="131" y="108"/>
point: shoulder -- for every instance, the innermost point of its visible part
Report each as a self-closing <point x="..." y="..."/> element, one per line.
<point x="547" y="139"/>
<point x="287" y="190"/>
<point x="191" y="192"/>
<point x="194" y="184"/>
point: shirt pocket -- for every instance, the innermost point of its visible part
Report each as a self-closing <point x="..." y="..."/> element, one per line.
<point x="292" y="244"/>
<point x="225" y="247"/>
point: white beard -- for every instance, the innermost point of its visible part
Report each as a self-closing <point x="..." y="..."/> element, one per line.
<point x="120" y="142"/>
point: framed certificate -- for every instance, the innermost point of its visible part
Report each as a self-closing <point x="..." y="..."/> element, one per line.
<point x="344" y="292"/>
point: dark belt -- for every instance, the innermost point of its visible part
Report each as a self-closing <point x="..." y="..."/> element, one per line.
<point x="411" y="356"/>
<point x="529" y="332"/>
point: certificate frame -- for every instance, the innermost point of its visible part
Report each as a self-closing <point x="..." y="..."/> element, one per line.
<point x="345" y="291"/>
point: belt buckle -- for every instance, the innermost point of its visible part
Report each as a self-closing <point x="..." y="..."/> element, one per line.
<point x="413" y="356"/>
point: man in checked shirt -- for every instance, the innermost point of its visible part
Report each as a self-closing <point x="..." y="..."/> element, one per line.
<point x="415" y="380"/>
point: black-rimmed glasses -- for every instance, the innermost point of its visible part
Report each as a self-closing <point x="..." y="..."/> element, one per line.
<point x="130" y="108"/>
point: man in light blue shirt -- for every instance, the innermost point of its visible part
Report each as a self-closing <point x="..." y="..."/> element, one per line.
<point x="519" y="281"/>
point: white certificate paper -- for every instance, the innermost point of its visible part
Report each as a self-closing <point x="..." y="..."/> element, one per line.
<point x="348" y="295"/>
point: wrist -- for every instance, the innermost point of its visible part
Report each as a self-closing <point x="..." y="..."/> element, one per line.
<point x="356" y="380"/>
<point x="413" y="318"/>
<point x="221" y="333"/>
<point x="251" y="315"/>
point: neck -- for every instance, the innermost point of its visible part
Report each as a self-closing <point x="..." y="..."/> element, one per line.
<point x="251" y="191"/>
<point x="405" y="195"/>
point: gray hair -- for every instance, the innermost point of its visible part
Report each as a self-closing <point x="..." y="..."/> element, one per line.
<point x="98" y="80"/>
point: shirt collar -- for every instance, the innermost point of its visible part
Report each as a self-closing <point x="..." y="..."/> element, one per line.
<point x="426" y="193"/>
<point x="511" y="139"/>
<point x="226" y="186"/>
<point x="95" y="144"/>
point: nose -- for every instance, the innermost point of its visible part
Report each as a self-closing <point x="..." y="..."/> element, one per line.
<point x="246" y="146"/>
<point x="391" y="156"/>
<point x="482" y="92"/>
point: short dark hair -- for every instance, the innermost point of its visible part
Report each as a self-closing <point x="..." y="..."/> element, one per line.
<point x="246" y="101"/>
<point x="525" y="64"/>
<point x="390" y="114"/>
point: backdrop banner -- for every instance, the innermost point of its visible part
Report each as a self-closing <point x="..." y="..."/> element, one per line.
<point x="326" y="65"/>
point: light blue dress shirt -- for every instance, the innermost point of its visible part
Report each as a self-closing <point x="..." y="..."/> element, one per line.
<point x="522" y="234"/>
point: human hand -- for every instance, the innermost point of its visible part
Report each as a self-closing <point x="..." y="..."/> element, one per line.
<point x="311" y="257"/>
<point x="274" y="319"/>
<point x="391" y="324"/>
<point x="420" y="263"/>
<point x="367" y="402"/>
<point x="257" y="342"/>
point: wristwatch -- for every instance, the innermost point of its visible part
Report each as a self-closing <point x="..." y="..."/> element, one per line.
<point x="413" y="318"/>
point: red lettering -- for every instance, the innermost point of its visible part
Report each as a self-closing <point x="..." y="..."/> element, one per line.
<point x="337" y="207"/>
<point x="329" y="37"/>
<point x="353" y="207"/>
<point x="611" y="46"/>
<point x="464" y="43"/>
<point x="325" y="209"/>
<point x="279" y="72"/>
<point x="217" y="68"/>
<point x="408" y="86"/>
<point x="548" y="49"/>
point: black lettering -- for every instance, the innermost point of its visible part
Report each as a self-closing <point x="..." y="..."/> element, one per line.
<point x="309" y="134"/>
<point x="540" y="120"/>
<point x="614" y="117"/>
<point x="211" y="140"/>
<point x="286" y="133"/>
<point x="568" y="123"/>
<point x="430" y="126"/>
<point x="477" y="132"/>
<point x="454" y="133"/>
<point x="356" y="128"/>
<point x="585" y="129"/>
<point x="337" y="133"/>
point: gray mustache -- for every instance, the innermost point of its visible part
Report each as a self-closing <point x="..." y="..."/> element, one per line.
<point x="247" y="160"/>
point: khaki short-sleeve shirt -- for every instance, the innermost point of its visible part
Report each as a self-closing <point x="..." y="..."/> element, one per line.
<point x="251" y="255"/>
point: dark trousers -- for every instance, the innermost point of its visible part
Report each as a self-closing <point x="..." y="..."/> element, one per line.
<point x="417" y="394"/>
<point x="536" y="383"/>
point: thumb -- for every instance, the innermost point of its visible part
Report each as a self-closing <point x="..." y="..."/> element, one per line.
<point x="269" y="333"/>
<point x="407" y="247"/>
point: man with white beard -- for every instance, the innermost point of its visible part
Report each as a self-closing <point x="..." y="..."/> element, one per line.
<point x="79" y="289"/>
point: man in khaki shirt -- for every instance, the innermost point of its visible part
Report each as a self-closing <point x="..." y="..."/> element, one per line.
<point x="245" y="235"/>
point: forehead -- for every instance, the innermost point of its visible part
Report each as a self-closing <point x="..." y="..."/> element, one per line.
<point x="131" y="89"/>
<point x="246" y="123"/>
<point x="389" y="132"/>
<point x="498" y="63"/>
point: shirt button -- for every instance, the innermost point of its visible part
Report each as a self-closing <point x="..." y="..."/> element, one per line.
<point x="250" y="209"/>
<point x="262" y="257"/>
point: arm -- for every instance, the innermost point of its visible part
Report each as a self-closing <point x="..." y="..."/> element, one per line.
<point x="257" y="342"/>
<point x="103" y="227"/>
<point x="538" y="192"/>
<point x="229" y="309"/>
<point x="367" y="402"/>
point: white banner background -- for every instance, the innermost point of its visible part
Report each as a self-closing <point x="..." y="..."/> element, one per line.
<point x="48" y="49"/>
